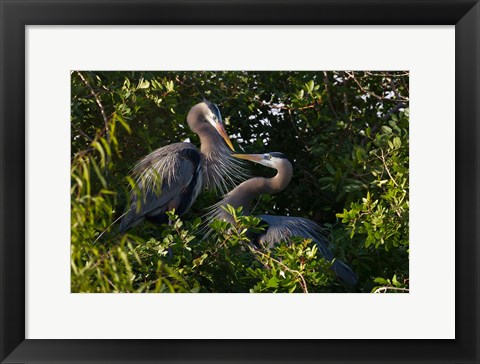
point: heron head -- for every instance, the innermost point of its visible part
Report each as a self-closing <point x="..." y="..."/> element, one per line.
<point x="208" y="112"/>
<point x="272" y="159"/>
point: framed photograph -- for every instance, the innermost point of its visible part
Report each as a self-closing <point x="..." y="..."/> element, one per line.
<point x="242" y="154"/>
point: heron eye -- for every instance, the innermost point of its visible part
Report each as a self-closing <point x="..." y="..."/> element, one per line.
<point x="269" y="156"/>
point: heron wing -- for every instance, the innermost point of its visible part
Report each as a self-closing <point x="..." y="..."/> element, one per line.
<point x="169" y="177"/>
<point x="282" y="228"/>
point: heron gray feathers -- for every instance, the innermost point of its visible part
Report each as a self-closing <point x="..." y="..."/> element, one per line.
<point x="279" y="228"/>
<point x="174" y="175"/>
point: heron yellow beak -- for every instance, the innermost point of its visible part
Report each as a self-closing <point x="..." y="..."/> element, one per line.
<point x="221" y="130"/>
<point x="250" y="157"/>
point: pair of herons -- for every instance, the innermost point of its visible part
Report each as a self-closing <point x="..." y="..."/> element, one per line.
<point x="172" y="177"/>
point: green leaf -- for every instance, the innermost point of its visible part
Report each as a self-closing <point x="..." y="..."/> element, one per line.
<point x="123" y="122"/>
<point x="386" y="129"/>
<point x="395" y="282"/>
<point x="381" y="280"/>
<point x="143" y="84"/>
<point x="309" y="85"/>
<point x="397" y="142"/>
<point x="272" y="282"/>
<point x="330" y="168"/>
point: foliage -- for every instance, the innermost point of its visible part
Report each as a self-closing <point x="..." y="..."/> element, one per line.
<point x="347" y="134"/>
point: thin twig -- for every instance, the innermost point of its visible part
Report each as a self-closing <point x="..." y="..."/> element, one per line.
<point x="276" y="106"/>
<point x="295" y="129"/>
<point x="345" y="98"/>
<point x="104" y="231"/>
<point x="99" y="103"/>
<point x="84" y="134"/>
<point x="109" y="281"/>
<point x="329" y="97"/>
<point x="303" y="283"/>
<point x="394" y="89"/>
<point x="352" y="76"/>
<point x="382" y="158"/>
<point x="386" y="168"/>
<point x="345" y="104"/>
<point x="256" y="204"/>
<point x="404" y="84"/>
<point x="83" y="152"/>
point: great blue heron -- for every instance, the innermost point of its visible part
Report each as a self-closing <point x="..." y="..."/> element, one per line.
<point x="173" y="176"/>
<point x="278" y="228"/>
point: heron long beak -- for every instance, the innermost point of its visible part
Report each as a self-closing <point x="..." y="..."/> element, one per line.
<point x="257" y="158"/>
<point x="221" y="130"/>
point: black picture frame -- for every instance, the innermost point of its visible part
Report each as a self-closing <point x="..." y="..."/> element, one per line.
<point x="16" y="14"/>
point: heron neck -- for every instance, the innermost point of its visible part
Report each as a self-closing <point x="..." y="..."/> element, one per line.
<point x="212" y="145"/>
<point x="245" y="193"/>
<point x="220" y="170"/>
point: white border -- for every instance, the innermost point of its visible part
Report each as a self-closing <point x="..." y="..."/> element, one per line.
<point x="427" y="312"/>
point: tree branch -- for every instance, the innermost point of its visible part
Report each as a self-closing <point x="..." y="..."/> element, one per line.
<point x="352" y="76"/>
<point x="99" y="103"/>
<point x="329" y="97"/>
